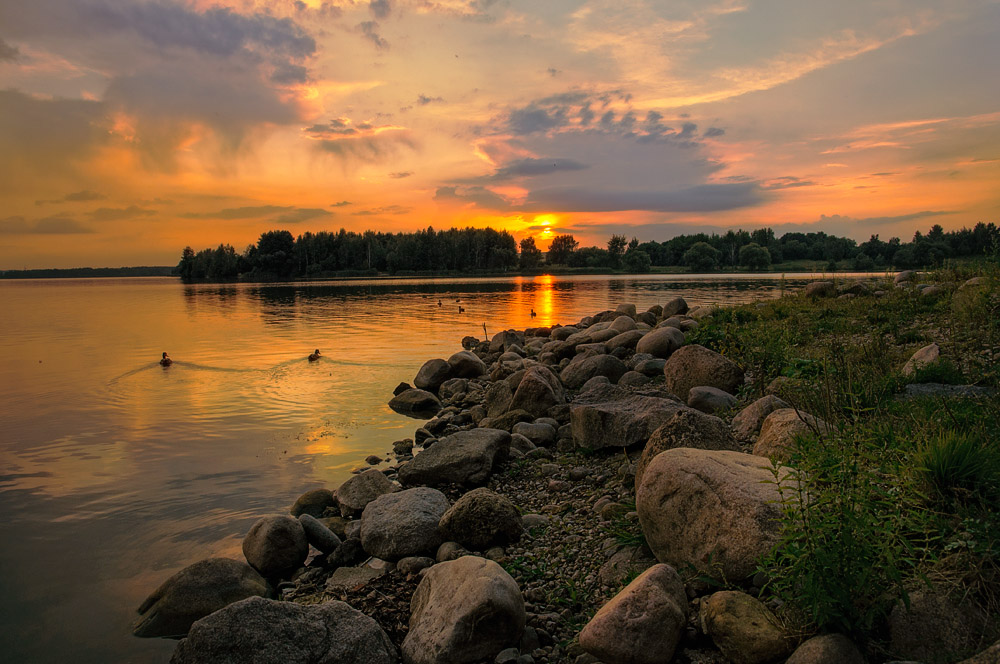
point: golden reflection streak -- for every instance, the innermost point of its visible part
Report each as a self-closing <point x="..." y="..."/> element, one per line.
<point x="544" y="307"/>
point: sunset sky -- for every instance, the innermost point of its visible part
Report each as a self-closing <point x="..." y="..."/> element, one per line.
<point x="130" y="129"/>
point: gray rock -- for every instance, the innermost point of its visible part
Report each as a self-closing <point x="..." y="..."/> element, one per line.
<point x="627" y="309"/>
<point x="643" y="623"/>
<point x="582" y="368"/>
<point x="432" y="374"/>
<point x="748" y="421"/>
<point x="904" y="276"/>
<point x="622" y="324"/>
<point x="634" y="379"/>
<point x="520" y="443"/>
<point x="661" y="342"/>
<point x="276" y="546"/>
<point x="450" y="551"/>
<point x="624" y="340"/>
<point x="415" y="403"/>
<point x="499" y="396"/>
<point x="780" y="430"/>
<point x="710" y="400"/>
<point x="464" y="610"/>
<point x="466" y="457"/>
<point x="686" y="428"/>
<point x="453" y="387"/>
<point x="347" y="554"/>
<point x="402" y="524"/>
<point x="263" y="631"/>
<point x="629" y="561"/>
<point x="466" y="364"/>
<point x="538" y="391"/>
<point x="674" y="307"/>
<point x="314" y="503"/>
<point x="346" y="578"/>
<point x="361" y="489"/>
<point x="695" y="365"/>
<point x="715" y="510"/>
<point x="413" y="564"/>
<point x="743" y="628"/>
<point x="927" y="355"/>
<point x="653" y="367"/>
<point x="193" y="593"/>
<point x="508" y="656"/>
<point x="625" y="421"/>
<point x="827" y="649"/>
<point x="530" y="521"/>
<point x="539" y="434"/>
<point x="820" y="289"/>
<point x="404" y="446"/>
<point x="936" y="628"/>
<point x="318" y="534"/>
<point x="481" y="519"/>
<point x="922" y="390"/>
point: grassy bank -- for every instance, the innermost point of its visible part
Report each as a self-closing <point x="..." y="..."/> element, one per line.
<point x="901" y="495"/>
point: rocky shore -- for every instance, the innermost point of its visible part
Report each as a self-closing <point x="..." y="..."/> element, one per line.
<point x="596" y="492"/>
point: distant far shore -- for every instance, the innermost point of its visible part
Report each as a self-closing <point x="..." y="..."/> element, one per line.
<point x="788" y="267"/>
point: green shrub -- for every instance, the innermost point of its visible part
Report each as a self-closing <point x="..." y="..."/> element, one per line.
<point x="960" y="466"/>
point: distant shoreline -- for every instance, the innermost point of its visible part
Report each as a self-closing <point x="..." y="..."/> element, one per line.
<point x="814" y="267"/>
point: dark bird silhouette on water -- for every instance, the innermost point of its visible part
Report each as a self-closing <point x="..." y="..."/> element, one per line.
<point x="165" y="361"/>
<point x="440" y="304"/>
<point x="314" y="355"/>
<point x="461" y="309"/>
<point x="533" y="314"/>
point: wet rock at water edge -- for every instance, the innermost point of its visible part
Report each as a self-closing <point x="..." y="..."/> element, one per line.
<point x="276" y="546"/>
<point x="268" y="632"/>
<point x="193" y="593"/>
<point x="432" y="374"/>
<point x="416" y="403"/>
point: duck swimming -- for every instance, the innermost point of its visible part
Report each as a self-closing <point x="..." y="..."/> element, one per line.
<point x="314" y="355"/>
<point x="165" y="361"/>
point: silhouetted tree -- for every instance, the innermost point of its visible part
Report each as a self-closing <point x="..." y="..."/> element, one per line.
<point x="702" y="257"/>
<point x="561" y="248"/>
<point x="755" y="257"/>
<point x="531" y="256"/>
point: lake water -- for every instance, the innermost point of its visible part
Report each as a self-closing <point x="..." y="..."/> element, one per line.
<point x="116" y="472"/>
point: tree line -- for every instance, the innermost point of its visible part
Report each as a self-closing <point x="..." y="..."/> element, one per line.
<point x="280" y="255"/>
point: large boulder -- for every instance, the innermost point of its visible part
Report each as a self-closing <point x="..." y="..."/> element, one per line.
<point x="747" y="422"/>
<point x="694" y="365"/>
<point x="193" y="593"/>
<point x="264" y="631"/>
<point x="743" y="628"/>
<point x="538" y="391"/>
<point x="643" y="623"/>
<point x="827" y="649"/>
<point x="464" y="610"/>
<point x="481" y="519"/>
<point x="419" y="404"/>
<point x="465" y="457"/>
<point x="314" y="503"/>
<point x="358" y="491"/>
<point x="583" y="367"/>
<point x="715" y="510"/>
<point x="686" y="428"/>
<point x="625" y="421"/>
<point x="432" y="374"/>
<point x="927" y="355"/>
<point x="276" y="546"/>
<point x="397" y="525"/>
<point x="780" y="430"/>
<point x="498" y="398"/>
<point x="820" y="289"/>
<point x="466" y="364"/>
<point x="661" y="342"/>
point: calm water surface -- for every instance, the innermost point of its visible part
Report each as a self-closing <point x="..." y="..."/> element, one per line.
<point x="116" y="472"/>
